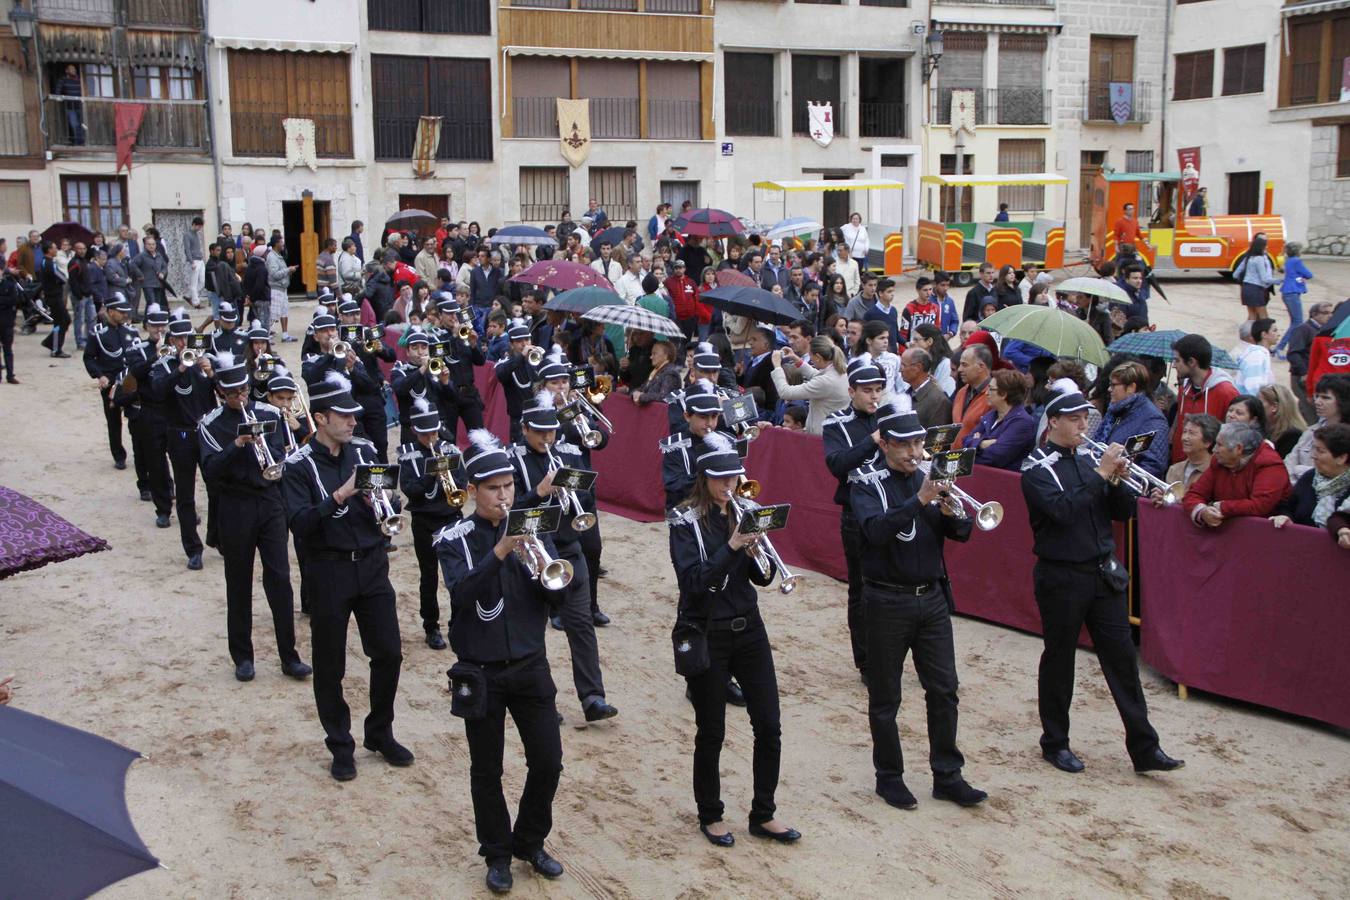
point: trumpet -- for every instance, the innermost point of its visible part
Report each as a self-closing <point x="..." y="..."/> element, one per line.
<point x="372" y="345"/>
<point x="436" y="366"/>
<point x="463" y="332"/>
<point x="165" y="350"/>
<point x="763" y="553"/>
<point x="271" y="469"/>
<point x="590" y="400"/>
<point x="987" y="515"/>
<point x="590" y="438"/>
<point x="534" y="355"/>
<point x="581" y="520"/>
<point x="188" y="357"/>
<point x="454" y="494"/>
<point x="341" y="349"/>
<point x="391" y="523"/>
<point x="1138" y="479"/>
<point x="552" y="574"/>
<point x="264" y="367"/>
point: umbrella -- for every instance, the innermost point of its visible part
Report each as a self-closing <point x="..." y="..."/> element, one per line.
<point x="65" y="831"/>
<point x="754" y="303"/>
<point x="1094" y="287"/>
<point x="793" y="227"/>
<point x="1159" y="344"/>
<point x="636" y="317"/>
<point x="418" y="220"/>
<point x="730" y="277"/>
<point x="614" y="236"/>
<point x="709" y="223"/>
<point x="71" y="231"/>
<point x="31" y="535"/>
<point x="561" y="275"/>
<point x="523" y="236"/>
<point x="579" y="300"/>
<point x="1050" y="329"/>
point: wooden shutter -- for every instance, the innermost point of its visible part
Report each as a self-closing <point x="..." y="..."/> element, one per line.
<point x="398" y="84"/>
<point x="1342" y="155"/>
<point x="257" y="102"/>
<point x="1194" y="76"/>
<point x="1244" y="69"/>
<point x="318" y="88"/>
<point x="460" y="91"/>
<point x="1020" y="157"/>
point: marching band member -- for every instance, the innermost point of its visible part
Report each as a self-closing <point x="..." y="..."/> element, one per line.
<point x="705" y="365"/>
<point x="348" y="568"/>
<point x="186" y="393"/>
<point x="719" y="606"/>
<point x="908" y="603"/>
<point x="259" y="343"/>
<point x="430" y="508"/>
<point x="249" y="498"/>
<point x="105" y="361"/>
<point x="852" y="439"/>
<point x="413" y="380"/>
<point x="516" y="375"/>
<point x="369" y="392"/>
<point x="702" y="408"/>
<point x="465" y="356"/>
<point x="281" y="393"/>
<point x="365" y="387"/>
<point x="534" y="461"/>
<point x="1071" y="501"/>
<point x="228" y="336"/>
<point x="497" y="633"/>
<point x="145" y="419"/>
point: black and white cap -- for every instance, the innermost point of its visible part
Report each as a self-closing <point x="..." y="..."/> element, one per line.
<point x="228" y="313"/>
<point x="424" y="419"/>
<point x="326" y="297"/>
<point x="701" y="398"/>
<point x="333" y="394"/>
<point x="446" y="304"/>
<point x="256" y="331"/>
<point x="706" y="357"/>
<point x="554" y="366"/>
<point x="541" y="415"/>
<point x="323" y="320"/>
<point x="1069" y="402"/>
<point x="417" y="336"/>
<point x="118" y="303"/>
<point x="484" y="457"/>
<point x="719" y="458"/>
<point x="861" y="370"/>
<point x="179" y="325"/>
<point x="229" y="372"/>
<point x="518" y="331"/>
<point x="349" y="307"/>
<point x="154" y="315"/>
<point x="897" y="425"/>
<point x="281" y="380"/>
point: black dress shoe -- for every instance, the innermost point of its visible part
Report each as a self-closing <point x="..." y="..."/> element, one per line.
<point x="1064" y="760"/>
<point x="959" y="792"/>
<point x="343" y="768"/>
<point x="718" y="840"/>
<point x="162" y="520"/>
<point x="556" y="622"/>
<point x="119" y="464"/>
<point x="244" y="671"/>
<point x="790" y="836"/>
<point x="735" y="696"/>
<point x="599" y="618"/>
<point x="896" y="794"/>
<point x="434" y="639"/>
<point x="499" y="879"/>
<point x="543" y="864"/>
<point x="393" y="752"/>
<point x="195" y="562"/>
<point x="1157" y="761"/>
<point x="601" y="572"/>
<point x="145" y="496"/>
<point x="296" y="669"/>
<point x="600" y="710"/>
<point x="60" y="354"/>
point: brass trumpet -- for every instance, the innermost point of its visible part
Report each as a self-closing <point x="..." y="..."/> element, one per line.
<point x="271" y="469"/>
<point x="372" y="344"/>
<point x="463" y="332"/>
<point x="188" y="357"/>
<point x="590" y="399"/>
<point x="762" y="552"/>
<point x="165" y="350"/>
<point x="391" y="523"/>
<point x="552" y="574"/>
<point x="341" y="349"/>
<point x="534" y="355"/>
<point x="987" y="515"/>
<point x="1140" y="480"/>
<point x="454" y="494"/>
<point x="436" y="366"/>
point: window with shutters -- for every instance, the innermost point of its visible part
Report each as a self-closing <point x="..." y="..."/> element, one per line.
<point x="815" y="79"/>
<point x="748" y="94"/>
<point x="98" y="203"/>
<point x="1244" y="69"/>
<point x="1194" y="76"/>
<point x="1022" y="157"/>
<point x="405" y="88"/>
<point x="431" y="16"/>
<point x="16" y="201"/>
<point x="962" y="69"/>
<point x="1342" y="156"/>
<point x="616" y="191"/>
<point x="1021" y="97"/>
<point x="268" y="86"/>
<point x="1313" y="56"/>
<point x="612" y="86"/>
<point x="543" y="193"/>
<point x="1111" y="61"/>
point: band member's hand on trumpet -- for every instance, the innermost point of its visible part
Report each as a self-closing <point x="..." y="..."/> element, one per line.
<point x="510" y="543"/>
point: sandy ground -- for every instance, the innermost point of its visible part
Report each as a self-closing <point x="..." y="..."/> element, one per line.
<point x="234" y="794"/>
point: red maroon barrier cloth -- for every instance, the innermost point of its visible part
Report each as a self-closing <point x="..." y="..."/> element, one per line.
<point x="790" y="467"/>
<point x="1248" y="612"/>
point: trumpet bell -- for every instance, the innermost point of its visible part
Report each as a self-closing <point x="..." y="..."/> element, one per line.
<point x="748" y="489"/>
<point x="457" y="498"/>
<point x="1172" y="493"/>
<point x="463" y="332"/>
<point x="534" y="356"/>
<point x="188" y="357"/>
<point x="391" y="525"/>
<point x="165" y="350"/>
<point x="788" y="584"/>
<point x="272" y="472"/>
<point x="583" y="521"/>
<point x="436" y="366"/>
<point x="341" y="349"/>
<point x="988" y="516"/>
<point x="592" y="439"/>
<point x="556" y="575"/>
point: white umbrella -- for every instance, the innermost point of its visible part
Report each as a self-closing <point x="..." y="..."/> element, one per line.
<point x="793" y="227"/>
<point x="1094" y="287"/>
<point x="636" y="317"/>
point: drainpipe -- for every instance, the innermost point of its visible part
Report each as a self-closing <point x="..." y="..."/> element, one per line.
<point x="210" y="113"/>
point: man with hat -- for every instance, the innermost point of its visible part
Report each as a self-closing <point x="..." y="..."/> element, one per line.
<point x="758" y="372"/>
<point x="348" y="569"/>
<point x="250" y="504"/>
<point x="465" y="355"/>
<point x="105" y="361"/>
<point x="412" y="380"/>
<point x="281" y="392"/>
<point x="366" y="388"/>
<point x="516" y="375"/>
<point x="1072" y="499"/>
<point x="229" y="337"/>
<point x="905" y="519"/>
<point x="145" y="418"/>
<point x="704" y="365"/>
<point x="534" y="461"/>
<point x="369" y="391"/>
<point x="851" y="440"/>
<point x="186" y="393"/>
<point x="497" y="633"/>
<point x="428" y="505"/>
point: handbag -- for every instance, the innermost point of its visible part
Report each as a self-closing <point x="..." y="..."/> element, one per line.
<point x="468" y="690"/>
<point x="1116" y="576"/>
<point x="689" y="641"/>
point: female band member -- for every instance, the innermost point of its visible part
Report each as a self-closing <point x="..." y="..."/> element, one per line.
<point x="719" y="603"/>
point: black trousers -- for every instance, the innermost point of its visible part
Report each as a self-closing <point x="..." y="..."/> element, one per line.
<point x="525" y="689"/>
<point x="183" y="457"/>
<point x="424" y="528"/>
<point x="7" y="340"/>
<point x="747" y="657"/>
<point x="376" y="427"/>
<point x="852" y="536"/>
<point x="300" y="556"/>
<point x="1069" y="597"/>
<point x="112" y="416"/>
<point x="257" y="527"/>
<point x="591" y="548"/>
<point x="469" y="410"/>
<point x="340" y="589"/>
<point x="580" y="627"/>
<point x="896" y="624"/>
<point x="149" y="454"/>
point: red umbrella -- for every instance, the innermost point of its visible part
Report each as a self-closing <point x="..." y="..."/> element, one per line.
<point x="734" y="278"/>
<point x="561" y="275"/>
<point x="72" y="231"/>
<point x="709" y="223"/>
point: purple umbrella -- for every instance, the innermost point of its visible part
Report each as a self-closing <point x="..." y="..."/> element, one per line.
<point x="561" y="275"/>
<point x="709" y="223"/>
<point x="72" y="231"/>
<point x="31" y="535"/>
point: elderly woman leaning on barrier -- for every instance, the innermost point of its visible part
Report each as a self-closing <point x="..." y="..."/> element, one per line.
<point x="1198" y="436"/>
<point x="1245" y="478"/>
<point x="1321" y="498"/>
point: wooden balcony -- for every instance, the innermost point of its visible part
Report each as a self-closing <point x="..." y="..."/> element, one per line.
<point x="534" y="25"/>
<point x="88" y="124"/>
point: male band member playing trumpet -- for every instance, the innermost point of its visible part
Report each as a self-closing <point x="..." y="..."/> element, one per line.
<point x="535" y="460"/>
<point x="365" y="389"/>
<point x="1078" y="582"/>
<point x="431" y="509"/>
<point x="516" y="374"/>
<point x="105" y="361"/>
<point x="369" y="391"/>
<point x="245" y="471"/>
<point x="348" y="567"/>
<point x="145" y="418"/>
<point x="282" y="392"/>
<point x="905" y="520"/>
<point x="497" y="632"/>
<point x="465" y="355"/>
<point x="413" y="380"/>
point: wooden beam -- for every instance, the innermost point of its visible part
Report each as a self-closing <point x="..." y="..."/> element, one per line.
<point x="309" y="245"/>
<point x="643" y="126"/>
<point x="1324" y="73"/>
<point x="508" y="104"/>
<point x="705" y="83"/>
<point x="572" y="90"/>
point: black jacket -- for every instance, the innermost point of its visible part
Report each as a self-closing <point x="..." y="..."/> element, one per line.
<point x="234" y="341"/>
<point x="517" y="379"/>
<point x="530" y="468"/>
<point x="1071" y="506"/>
<point x="848" y="445"/>
<point x="423" y="490"/>
<point x="234" y="469"/>
<point x="308" y="481"/>
<point x="105" y="353"/>
<point x="255" y="281"/>
<point x="186" y="396"/>
<point x="715" y="581"/>
<point x="410" y="382"/>
<point x="904" y="537"/>
<point x="380" y="293"/>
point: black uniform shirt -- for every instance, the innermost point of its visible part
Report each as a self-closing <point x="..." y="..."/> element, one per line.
<point x="848" y="445"/>
<point x="234" y="341"/>
<point x="530" y="468"/>
<point x="105" y="351"/>
<point x="517" y="378"/>
<point x="423" y="489"/>
<point x="904" y="537"/>
<point x="410" y="383"/>
<point x="715" y="581"/>
<point x="186" y="395"/>
<point x="1071" y="506"/>
<point x="235" y="469"/>
<point x="311" y="476"/>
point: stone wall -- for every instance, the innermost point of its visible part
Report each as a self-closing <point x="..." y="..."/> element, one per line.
<point x="1329" y="198"/>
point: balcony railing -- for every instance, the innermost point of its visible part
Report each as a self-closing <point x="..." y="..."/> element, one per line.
<point x="999" y="106"/>
<point x="14" y="134"/>
<point x="674" y="119"/>
<point x="751" y="118"/>
<point x="679" y="7"/>
<point x="164" y="13"/>
<point x="136" y="13"/>
<point x="87" y="12"/>
<point x="89" y="122"/>
<point x="614" y="117"/>
<point x="609" y="5"/>
<point x="535" y="117"/>
<point x="1045" y="4"/>
<point x="942" y="112"/>
<point x="263" y="134"/>
<point x="1097" y="103"/>
<point x="801" y="118"/>
<point x="883" y="119"/>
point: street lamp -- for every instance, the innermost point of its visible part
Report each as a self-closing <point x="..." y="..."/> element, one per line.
<point x="24" y="23"/>
<point x="932" y="53"/>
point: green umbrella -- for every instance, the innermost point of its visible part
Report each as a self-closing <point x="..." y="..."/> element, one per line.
<point x="1343" y="330"/>
<point x="1050" y="329"/>
<point x="1095" y="287"/>
<point x="1159" y="343"/>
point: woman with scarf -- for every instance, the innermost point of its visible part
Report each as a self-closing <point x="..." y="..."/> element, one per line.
<point x="1321" y="498"/>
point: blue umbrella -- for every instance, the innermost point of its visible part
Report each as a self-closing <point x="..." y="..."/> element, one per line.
<point x="582" y="299"/>
<point x="1159" y="343"/>
<point x="523" y="235"/>
<point x="615" y="237"/>
<point x="65" y="830"/>
<point x="752" y="302"/>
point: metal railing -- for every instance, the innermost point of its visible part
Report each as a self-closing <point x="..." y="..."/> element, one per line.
<point x="883" y="119"/>
<point x="942" y="111"/>
<point x="263" y="134"/>
<point x="535" y="117"/>
<point x="801" y="118"/>
<point x="136" y="13"/>
<point x="89" y="122"/>
<point x="14" y="134"/>
<point x="674" y="119"/>
<point x="1018" y="106"/>
<point x="91" y="12"/>
<point x="678" y="7"/>
<point x="609" y="5"/>
<point x="751" y="118"/>
<point x="614" y="117"/>
<point x="1046" y="4"/>
<point x="1097" y="102"/>
<point x="162" y="13"/>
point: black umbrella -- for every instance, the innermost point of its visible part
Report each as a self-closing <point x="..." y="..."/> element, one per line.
<point x="754" y="303"/>
<point x="71" y="231"/>
<point x="614" y="236"/>
<point x="418" y="220"/>
<point x="65" y="830"/>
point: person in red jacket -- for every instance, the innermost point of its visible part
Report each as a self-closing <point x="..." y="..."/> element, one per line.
<point x="921" y="310"/>
<point x="684" y="297"/>
<point x="1246" y="477"/>
<point x="1202" y="389"/>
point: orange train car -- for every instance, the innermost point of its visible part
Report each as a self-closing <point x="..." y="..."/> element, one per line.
<point x="1171" y="240"/>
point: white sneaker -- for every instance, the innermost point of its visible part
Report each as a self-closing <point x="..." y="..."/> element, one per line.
<point x="286" y="338"/>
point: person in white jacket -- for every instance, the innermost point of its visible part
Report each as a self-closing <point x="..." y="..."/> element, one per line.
<point x="856" y="239"/>
<point x="824" y="384"/>
<point x="1253" y="354"/>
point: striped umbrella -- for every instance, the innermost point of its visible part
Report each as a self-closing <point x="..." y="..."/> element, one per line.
<point x="730" y="277"/>
<point x="638" y="318"/>
<point x="709" y="223"/>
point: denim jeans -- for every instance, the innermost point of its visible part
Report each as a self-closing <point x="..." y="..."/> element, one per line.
<point x="215" y="306"/>
<point x="85" y="317"/>
<point x="1293" y="303"/>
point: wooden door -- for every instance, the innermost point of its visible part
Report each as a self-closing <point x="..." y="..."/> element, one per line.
<point x="1090" y="164"/>
<point x="1244" y="193"/>
<point x="1109" y="59"/>
<point x="436" y="204"/>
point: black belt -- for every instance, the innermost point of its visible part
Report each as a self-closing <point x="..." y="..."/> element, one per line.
<point x="1087" y="565"/>
<point x="736" y="624"/>
<point x="342" y="555"/>
<point x="909" y="590"/>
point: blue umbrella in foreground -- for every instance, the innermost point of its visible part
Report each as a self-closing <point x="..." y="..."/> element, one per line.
<point x="64" y="826"/>
<point x="579" y="300"/>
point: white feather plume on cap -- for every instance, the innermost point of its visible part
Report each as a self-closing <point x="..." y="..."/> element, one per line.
<point x="484" y="440"/>
<point x="543" y="399"/>
<point x="704" y="347"/>
<point x="179" y="313"/>
<point x="1063" y="386"/>
<point x="152" y="309"/>
<point x="717" y="442"/>
<point x="863" y="359"/>
<point x="337" y="379"/>
<point x="255" y="325"/>
<point x="280" y="369"/>
<point x="421" y="405"/>
<point x="224" y="360"/>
